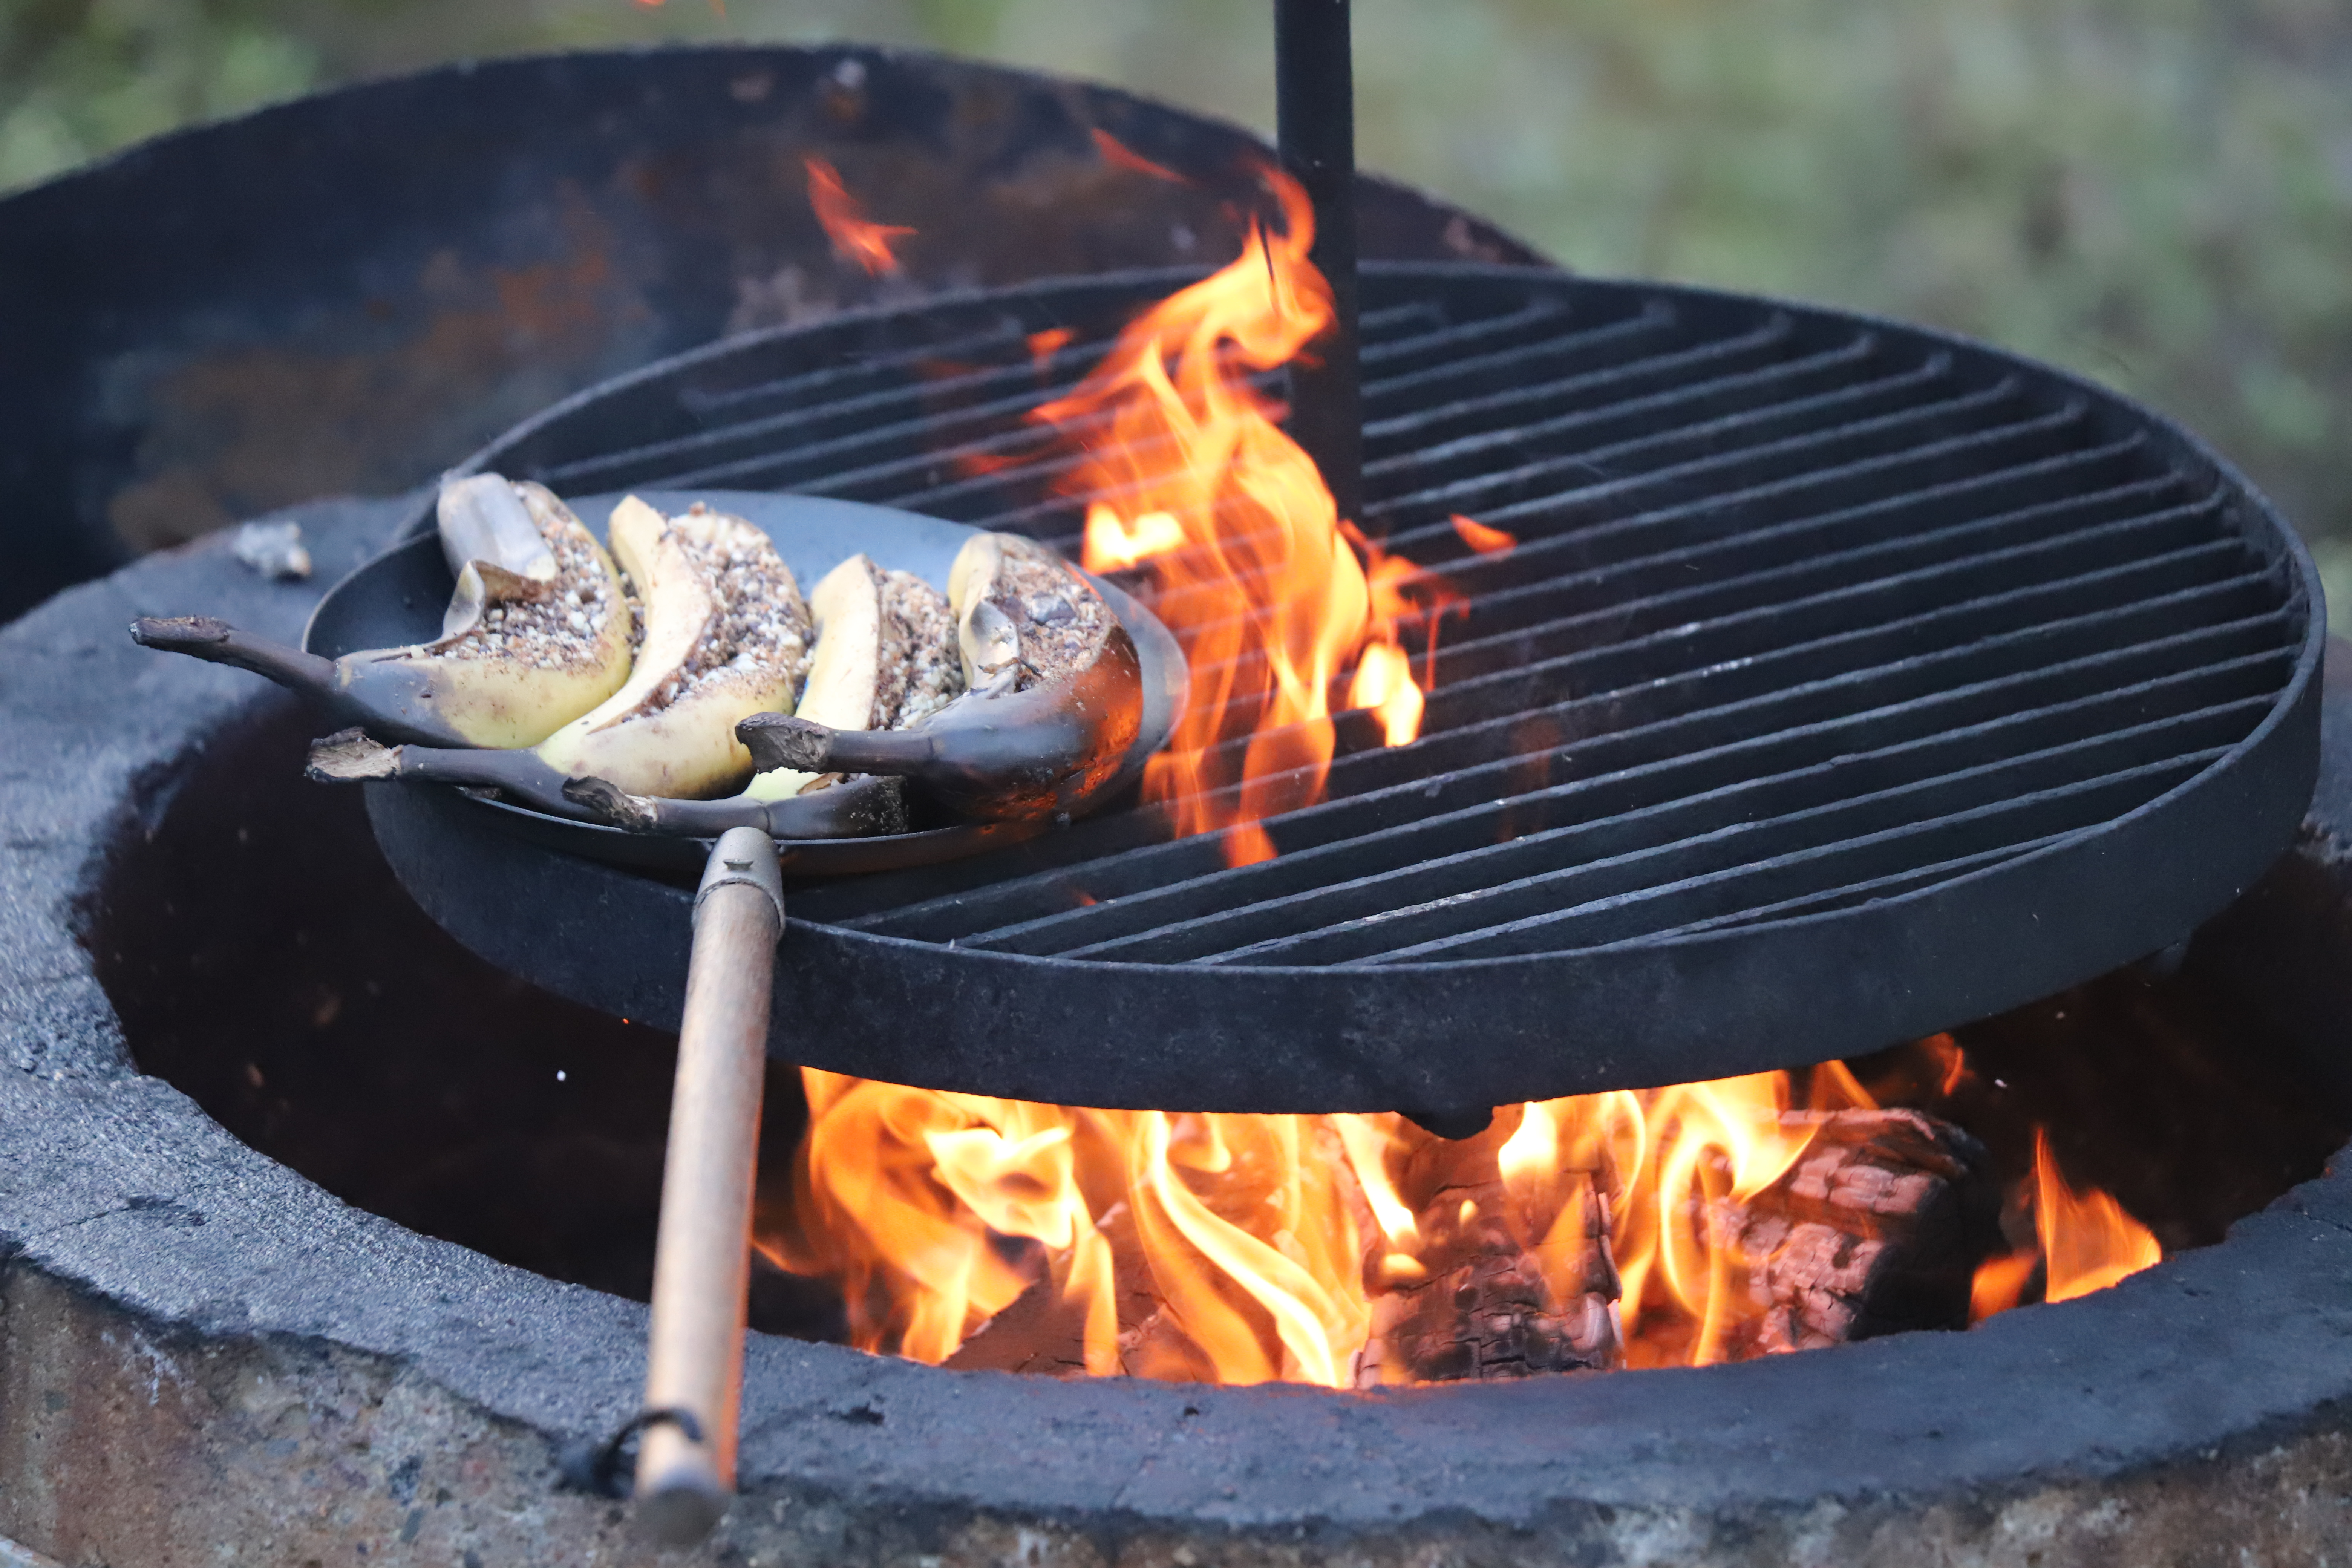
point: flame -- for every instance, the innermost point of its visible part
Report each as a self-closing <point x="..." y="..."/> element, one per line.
<point x="1484" y="539"/>
<point x="1384" y="684"/>
<point x="1114" y="544"/>
<point x="1045" y="345"/>
<point x="1196" y="483"/>
<point x="1951" y="1061"/>
<point x="1119" y="154"/>
<point x="1705" y="1146"/>
<point x="1264" y="1238"/>
<point x="844" y="222"/>
<point x="2000" y="1283"/>
<point x="905" y="1197"/>
<point x="1250" y="1248"/>
<point x="2087" y="1239"/>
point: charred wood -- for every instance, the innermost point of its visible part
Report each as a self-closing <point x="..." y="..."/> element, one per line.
<point x="1877" y="1227"/>
<point x="1501" y="1283"/>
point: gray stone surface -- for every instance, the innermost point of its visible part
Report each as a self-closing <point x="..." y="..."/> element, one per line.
<point x="256" y="1373"/>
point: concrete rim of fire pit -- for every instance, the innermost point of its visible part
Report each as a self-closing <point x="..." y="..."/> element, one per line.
<point x="117" y="1188"/>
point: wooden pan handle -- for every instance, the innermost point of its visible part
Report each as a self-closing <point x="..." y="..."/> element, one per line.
<point x="702" y="1262"/>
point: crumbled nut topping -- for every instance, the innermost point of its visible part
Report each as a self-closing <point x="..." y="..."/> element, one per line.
<point x="762" y="630"/>
<point x="921" y="670"/>
<point x="561" y="631"/>
<point x="1061" y="619"/>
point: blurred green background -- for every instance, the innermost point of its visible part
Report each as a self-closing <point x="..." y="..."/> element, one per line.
<point x="2156" y="193"/>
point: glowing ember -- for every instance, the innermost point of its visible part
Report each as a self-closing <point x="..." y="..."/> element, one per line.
<point x="844" y="222"/>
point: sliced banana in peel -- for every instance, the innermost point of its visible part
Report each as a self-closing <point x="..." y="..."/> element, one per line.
<point x="1054" y="698"/>
<point x="538" y="633"/>
<point x="885" y="659"/>
<point x="726" y="635"/>
<point x="885" y="655"/>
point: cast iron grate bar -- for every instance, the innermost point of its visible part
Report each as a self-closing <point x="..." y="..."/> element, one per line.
<point x="2054" y="811"/>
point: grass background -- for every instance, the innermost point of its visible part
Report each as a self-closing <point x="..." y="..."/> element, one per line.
<point x="2156" y="192"/>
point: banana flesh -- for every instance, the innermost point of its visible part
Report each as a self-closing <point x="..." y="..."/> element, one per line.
<point x="1023" y="617"/>
<point x="1054" y="696"/>
<point x="538" y="632"/>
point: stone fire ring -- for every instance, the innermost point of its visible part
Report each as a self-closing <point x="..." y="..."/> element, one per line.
<point x="205" y="1357"/>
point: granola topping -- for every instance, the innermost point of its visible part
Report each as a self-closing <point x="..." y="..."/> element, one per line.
<point x="763" y="627"/>
<point x="921" y="670"/>
<point x="1061" y="619"/>
<point x="560" y="631"/>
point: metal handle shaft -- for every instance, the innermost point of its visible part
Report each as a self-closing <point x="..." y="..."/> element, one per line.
<point x="702" y="1267"/>
<point x="1315" y="127"/>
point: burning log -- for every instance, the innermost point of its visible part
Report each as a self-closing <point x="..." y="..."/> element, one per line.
<point x="1486" y="1304"/>
<point x="1493" y="1258"/>
<point x="1877" y="1227"/>
<point x="1508" y="1271"/>
<point x="1042" y="1332"/>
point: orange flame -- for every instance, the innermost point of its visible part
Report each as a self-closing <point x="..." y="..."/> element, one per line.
<point x="844" y="222"/>
<point x="1253" y="1232"/>
<point x="1045" y="345"/>
<point x="1119" y="154"/>
<point x="1484" y="539"/>
<point x="2087" y="1239"/>
<point x="2000" y="1283"/>
<point x="1259" y="1245"/>
<point x="1196" y="482"/>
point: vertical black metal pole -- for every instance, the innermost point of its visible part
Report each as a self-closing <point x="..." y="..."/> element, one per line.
<point x="1314" y="124"/>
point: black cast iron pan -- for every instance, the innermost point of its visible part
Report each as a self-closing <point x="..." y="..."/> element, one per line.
<point x="398" y="597"/>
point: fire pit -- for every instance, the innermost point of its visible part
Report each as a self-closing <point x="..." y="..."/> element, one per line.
<point x="401" y="1395"/>
<point x="182" y="1308"/>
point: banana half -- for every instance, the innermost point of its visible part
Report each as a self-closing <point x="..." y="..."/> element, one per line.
<point x="524" y="648"/>
<point x="538" y="632"/>
<point x="726" y="636"/>
<point x="885" y="659"/>
<point x="1054" y="698"/>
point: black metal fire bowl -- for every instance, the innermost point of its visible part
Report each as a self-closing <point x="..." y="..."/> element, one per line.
<point x="201" y="1352"/>
<point x="345" y="294"/>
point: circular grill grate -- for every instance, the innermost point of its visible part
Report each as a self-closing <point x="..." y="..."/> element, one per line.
<point x="1848" y="680"/>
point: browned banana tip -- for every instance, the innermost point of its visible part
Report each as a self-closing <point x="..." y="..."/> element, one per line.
<point x="178" y="634"/>
<point x="780" y="740"/>
<point x="349" y="756"/>
<point x="610" y="803"/>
